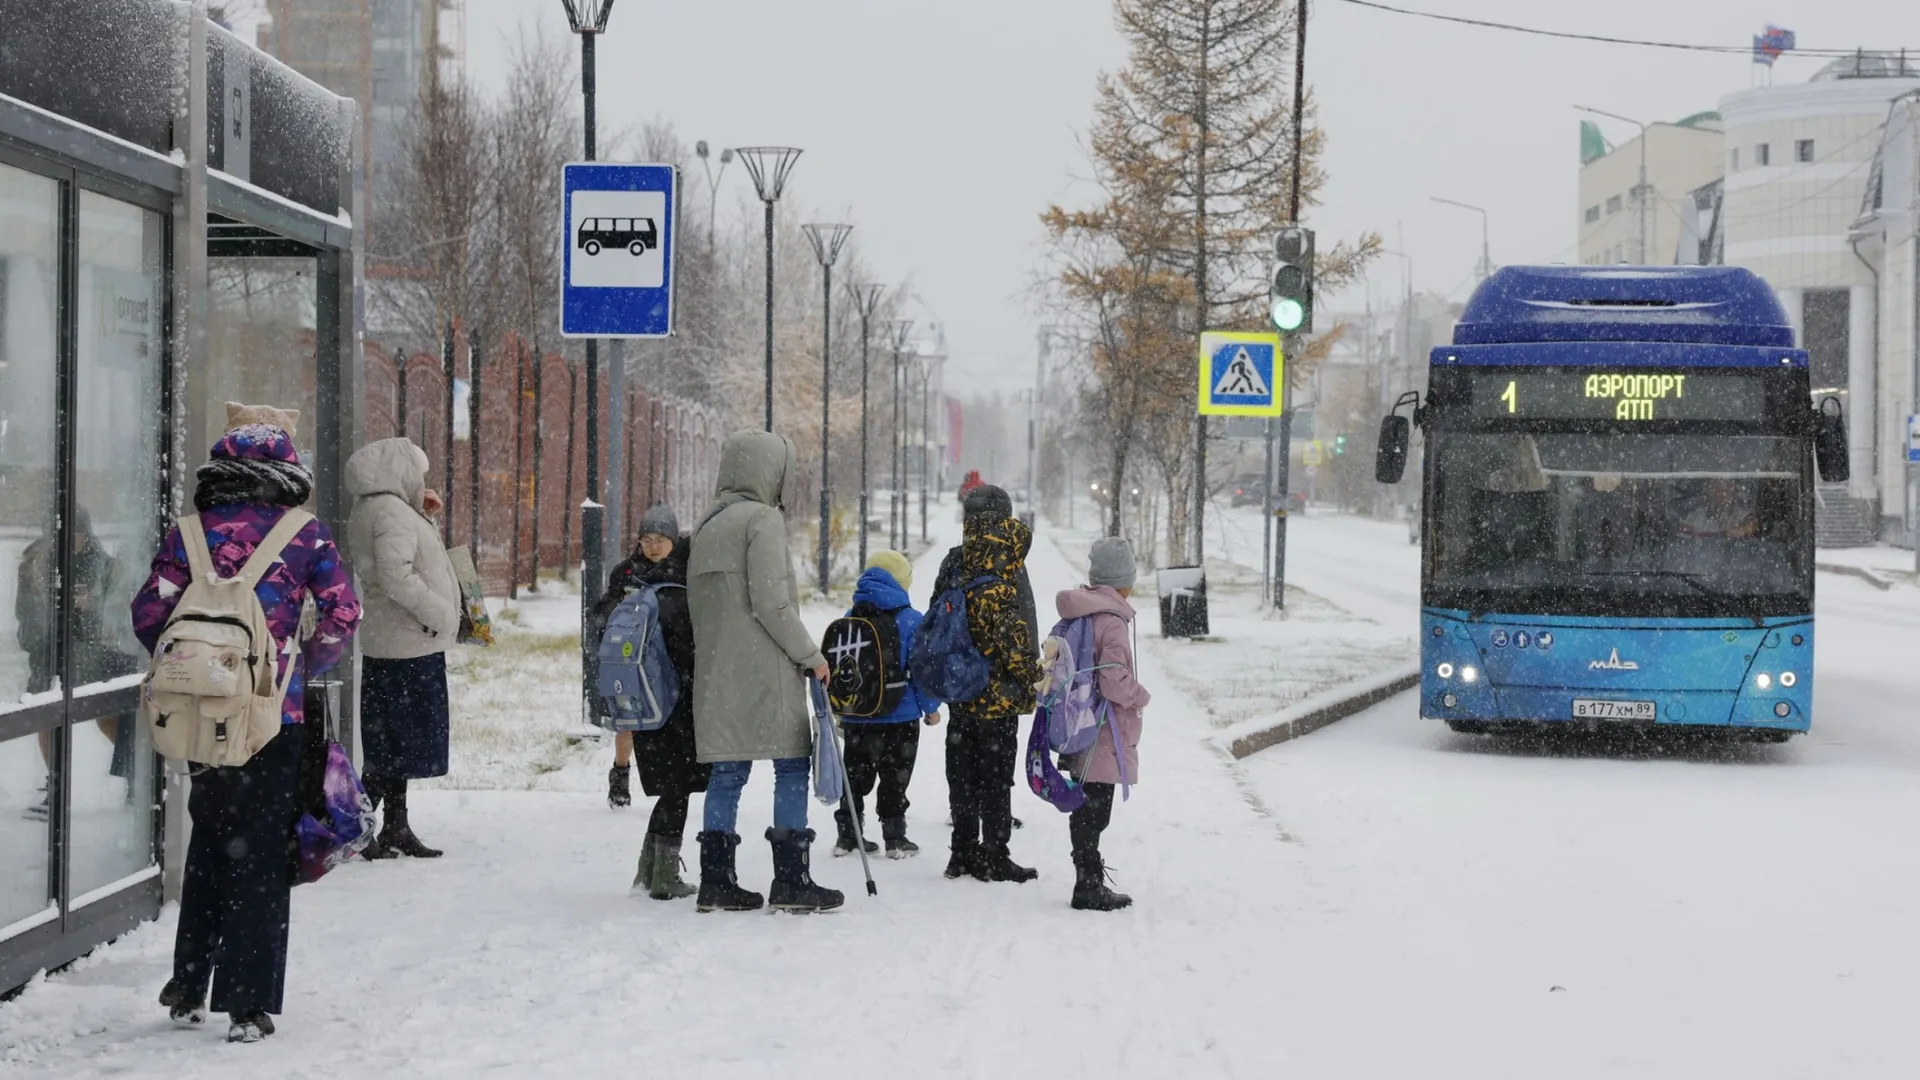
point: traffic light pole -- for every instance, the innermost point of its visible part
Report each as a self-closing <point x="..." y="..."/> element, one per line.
<point x="1281" y="431"/>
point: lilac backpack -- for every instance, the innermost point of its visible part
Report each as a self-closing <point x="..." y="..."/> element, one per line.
<point x="1070" y="714"/>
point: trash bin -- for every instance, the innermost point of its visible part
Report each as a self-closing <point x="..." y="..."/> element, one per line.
<point x="1183" y="601"/>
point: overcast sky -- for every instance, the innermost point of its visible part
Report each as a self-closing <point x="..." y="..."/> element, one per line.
<point x="943" y="128"/>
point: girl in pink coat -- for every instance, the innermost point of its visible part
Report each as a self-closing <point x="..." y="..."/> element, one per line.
<point x="1110" y="576"/>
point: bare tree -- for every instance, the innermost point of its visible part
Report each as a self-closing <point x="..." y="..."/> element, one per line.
<point x="1200" y="116"/>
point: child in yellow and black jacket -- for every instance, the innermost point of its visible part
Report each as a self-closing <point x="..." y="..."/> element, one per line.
<point x="983" y="740"/>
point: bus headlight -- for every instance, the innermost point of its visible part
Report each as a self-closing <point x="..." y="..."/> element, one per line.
<point x="1788" y="678"/>
<point x="1445" y="670"/>
<point x="1449" y="701"/>
<point x="1763" y="680"/>
<point x="1469" y="674"/>
<point x="1782" y="709"/>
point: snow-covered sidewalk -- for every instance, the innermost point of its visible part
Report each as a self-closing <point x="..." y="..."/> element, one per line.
<point x="520" y="952"/>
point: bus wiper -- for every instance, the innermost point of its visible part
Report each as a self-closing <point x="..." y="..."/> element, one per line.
<point x="1691" y="579"/>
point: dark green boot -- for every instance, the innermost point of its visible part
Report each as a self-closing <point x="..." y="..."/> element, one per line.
<point x="664" y="883"/>
<point x="643" y="877"/>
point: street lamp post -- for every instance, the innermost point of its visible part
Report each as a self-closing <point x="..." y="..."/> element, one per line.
<point x="1486" y="258"/>
<point x="769" y="166"/>
<point x="826" y="241"/>
<point x="896" y="506"/>
<point x="926" y="431"/>
<point x="866" y="299"/>
<point x="713" y="182"/>
<point x="1640" y="190"/>
<point x="588" y="18"/>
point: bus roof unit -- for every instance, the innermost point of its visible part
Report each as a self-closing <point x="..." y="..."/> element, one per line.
<point x="1719" y="305"/>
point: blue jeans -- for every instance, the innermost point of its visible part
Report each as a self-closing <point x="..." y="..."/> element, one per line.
<point x="789" y="793"/>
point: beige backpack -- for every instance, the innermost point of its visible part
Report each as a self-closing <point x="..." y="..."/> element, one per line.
<point x="210" y="695"/>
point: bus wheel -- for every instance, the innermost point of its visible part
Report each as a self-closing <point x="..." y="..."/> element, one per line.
<point x="593" y="247"/>
<point x="1470" y="727"/>
<point x="637" y="248"/>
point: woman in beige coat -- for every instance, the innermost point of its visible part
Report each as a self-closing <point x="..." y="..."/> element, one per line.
<point x="749" y="703"/>
<point x="412" y="615"/>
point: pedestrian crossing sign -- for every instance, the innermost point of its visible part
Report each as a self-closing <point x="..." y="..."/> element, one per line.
<point x="1241" y="374"/>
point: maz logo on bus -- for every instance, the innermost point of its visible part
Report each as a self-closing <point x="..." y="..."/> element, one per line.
<point x="1613" y="663"/>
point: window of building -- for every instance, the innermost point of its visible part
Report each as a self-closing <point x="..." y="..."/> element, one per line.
<point x="1762" y="155"/>
<point x="1593" y="214"/>
<point x="1613" y="205"/>
<point x="1803" y="150"/>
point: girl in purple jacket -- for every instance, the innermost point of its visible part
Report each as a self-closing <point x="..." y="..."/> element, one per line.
<point x="1110" y="575"/>
<point x="234" y="909"/>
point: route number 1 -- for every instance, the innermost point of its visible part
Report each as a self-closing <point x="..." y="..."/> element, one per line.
<point x="1512" y="396"/>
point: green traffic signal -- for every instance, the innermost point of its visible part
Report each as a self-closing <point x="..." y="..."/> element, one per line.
<point x="1288" y="314"/>
<point x="1339" y="444"/>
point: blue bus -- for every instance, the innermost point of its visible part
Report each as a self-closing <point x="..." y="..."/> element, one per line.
<point x="1618" y="501"/>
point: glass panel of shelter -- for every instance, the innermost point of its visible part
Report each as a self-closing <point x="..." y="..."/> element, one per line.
<point x="29" y="363"/>
<point x="119" y="474"/>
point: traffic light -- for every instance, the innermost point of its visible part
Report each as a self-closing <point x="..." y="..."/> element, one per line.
<point x="1290" y="289"/>
<point x="1339" y="445"/>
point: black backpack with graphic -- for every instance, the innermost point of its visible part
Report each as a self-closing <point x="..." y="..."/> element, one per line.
<point x="868" y="674"/>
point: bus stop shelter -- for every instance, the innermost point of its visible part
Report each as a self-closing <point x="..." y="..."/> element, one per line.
<point x="177" y="230"/>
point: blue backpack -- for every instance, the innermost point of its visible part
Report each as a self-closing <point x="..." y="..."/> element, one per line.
<point x="637" y="683"/>
<point x="945" y="662"/>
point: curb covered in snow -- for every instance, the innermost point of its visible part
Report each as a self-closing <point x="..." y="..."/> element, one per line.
<point x="1316" y="712"/>
<point x="1862" y="573"/>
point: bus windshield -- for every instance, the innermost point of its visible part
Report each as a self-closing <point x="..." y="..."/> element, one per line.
<point x="1619" y="523"/>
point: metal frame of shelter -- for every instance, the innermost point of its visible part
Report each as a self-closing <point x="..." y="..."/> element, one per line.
<point x="101" y="111"/>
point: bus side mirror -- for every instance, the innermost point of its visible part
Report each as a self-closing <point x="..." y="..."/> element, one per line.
<point x="1390" y="460"/>
<point x="1830" y="442"/>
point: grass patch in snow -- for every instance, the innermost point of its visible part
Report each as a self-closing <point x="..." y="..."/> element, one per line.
<point x="516" y="714"/>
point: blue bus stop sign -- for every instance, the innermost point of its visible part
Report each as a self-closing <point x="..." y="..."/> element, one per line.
<point x="616" y="262"/>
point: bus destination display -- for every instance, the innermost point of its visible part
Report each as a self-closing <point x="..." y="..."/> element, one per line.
<point x="1586" y="394"/>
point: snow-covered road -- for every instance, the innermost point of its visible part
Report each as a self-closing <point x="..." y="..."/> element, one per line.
<point x="1732" y="913"/>
<point x="1381" y="899"/>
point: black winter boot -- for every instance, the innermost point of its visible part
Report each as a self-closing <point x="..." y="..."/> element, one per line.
<point x="845" y="840"/>
<point x="249" y="1027"/>
<point x="894" y="830"/>
<point x="397" y="834"/>
<point x="619" y="793"/>
<point x="719" y="887"/>
<point x="184" y="1005"/>
<point x="793" y="888"/>
<point x="960" y="863"/>
<point x="1090" y="892"/>
<point x="998" y="865"/>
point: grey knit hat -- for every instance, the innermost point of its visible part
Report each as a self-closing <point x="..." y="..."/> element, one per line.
<point x="1111" y="563"/>
<point x="659" y="521"/>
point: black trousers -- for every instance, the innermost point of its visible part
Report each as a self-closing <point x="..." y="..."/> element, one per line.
<point x="233" y="901"/>
<point x="669" y="817"/>
<point x="883" y="755"/>
<point x="981" y="756"/>
<point x="1087" y="823"/>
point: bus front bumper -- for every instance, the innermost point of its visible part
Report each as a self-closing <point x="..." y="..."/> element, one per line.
<point x="1489" y="704"/>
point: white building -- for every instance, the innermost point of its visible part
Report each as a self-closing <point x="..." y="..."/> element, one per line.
<point x="1620" y="222"/>
<point x="1799" y="162"/>
<point x="1888" y="236"/>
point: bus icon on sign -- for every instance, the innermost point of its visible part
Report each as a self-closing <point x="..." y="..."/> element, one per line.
<point x="637" y="235"/>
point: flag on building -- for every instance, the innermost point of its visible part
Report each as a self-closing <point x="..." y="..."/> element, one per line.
<point x="1770" y="43"/>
